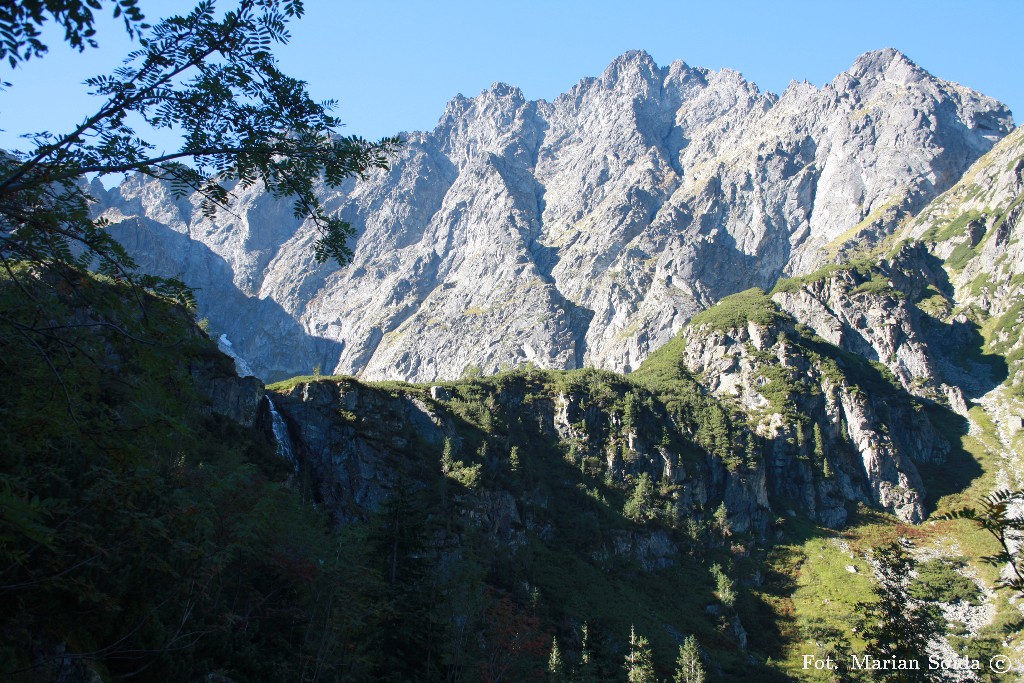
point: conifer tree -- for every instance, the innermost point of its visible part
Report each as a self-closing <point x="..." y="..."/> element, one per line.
<point x="895" y="625"/>
<point x="640" y="506"/>
<point x="721" y="517"/>
<point x="819" y="446"/>
<point x="556" y="666"/>
<point x="586" y="671"/>
<point x="689" y="667"/>
<point x="724" y="586"/>
<point x="639" y="662"/>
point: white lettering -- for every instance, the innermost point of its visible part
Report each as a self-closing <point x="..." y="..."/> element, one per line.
<point x="891" y="664"/>
<point x="811" y="661"/>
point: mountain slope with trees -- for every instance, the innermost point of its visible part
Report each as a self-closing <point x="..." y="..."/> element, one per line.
<point x="744" y="497"/>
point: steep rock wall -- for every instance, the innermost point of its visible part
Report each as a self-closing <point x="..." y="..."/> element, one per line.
<point x="583" y="231"/>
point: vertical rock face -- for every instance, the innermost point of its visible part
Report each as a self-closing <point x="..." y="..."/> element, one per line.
<point x="871" y="310"/>
<point x="835" y="433"/>
<point x="358" y="444"/>
<point x="975" y="232"/>
<point x="586" y="230"/>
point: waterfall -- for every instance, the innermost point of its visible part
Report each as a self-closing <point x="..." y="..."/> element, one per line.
<point x="284" y="442"/>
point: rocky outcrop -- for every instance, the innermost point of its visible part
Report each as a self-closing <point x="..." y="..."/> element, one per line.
<point x="975" y="231"/>
<point x="583" y="231"/>
<point x="836" y="433"/>
<point x="360" y="445"/>
<point x="827" y="430"/>
<point x="236" y="398"/>
<point x="872" y="310"/>
<point x="350" y="439"/>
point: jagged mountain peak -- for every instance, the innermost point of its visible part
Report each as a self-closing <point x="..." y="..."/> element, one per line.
<point x="500" y="89"/>
<point x="887" y="62"/>
<point x="633" y="73"/>
<point x="586" y="230"/>
<point x="632" y="59"/>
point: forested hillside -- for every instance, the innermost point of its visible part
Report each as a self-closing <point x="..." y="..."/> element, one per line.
<point x="705" y="383"/>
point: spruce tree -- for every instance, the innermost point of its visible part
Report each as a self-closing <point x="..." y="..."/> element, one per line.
<point x="586" y="671"/>
<point x="721" y="518"/>
<point x="556" y="667"/>
<point x="639" y="662"/>
<point x="725" y="588"/>
<point x="895" y="625"/>
<point x="689" y="667"/>
<point x="640" y="506"/>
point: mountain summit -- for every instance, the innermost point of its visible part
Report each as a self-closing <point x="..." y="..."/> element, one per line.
<point x="583" y="231"/>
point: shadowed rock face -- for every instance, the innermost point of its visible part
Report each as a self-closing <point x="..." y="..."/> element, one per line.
<point x="359" y="444"/>
<point x="586" y="230"/>
<point x="976" y="233"/>
<point x="832" y="440"/>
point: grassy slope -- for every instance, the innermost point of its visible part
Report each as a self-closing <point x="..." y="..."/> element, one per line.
<point x="810" y="591"/>
<point x="575" y="509"/>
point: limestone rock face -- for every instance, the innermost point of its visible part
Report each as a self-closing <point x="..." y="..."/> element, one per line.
<point x="873" y="315"/>
<point x="360" y="443"/>
<point x="975" y="232"/>
<point x="583" y="231"/>
<point x="831" y="438"/>
<point x="350" y="439"/>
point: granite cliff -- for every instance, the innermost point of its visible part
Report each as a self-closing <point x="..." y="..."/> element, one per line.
<point x="580" y="232"/>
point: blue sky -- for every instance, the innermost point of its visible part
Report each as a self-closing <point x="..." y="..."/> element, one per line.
<point x="393" y="64"/>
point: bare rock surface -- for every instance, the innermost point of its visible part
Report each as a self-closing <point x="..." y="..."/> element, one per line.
<point x="583" y="231"/>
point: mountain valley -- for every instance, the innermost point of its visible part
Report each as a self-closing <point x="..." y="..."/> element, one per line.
<point x="665" y="356"/>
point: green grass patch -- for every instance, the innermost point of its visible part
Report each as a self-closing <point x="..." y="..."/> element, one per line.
<point x="878" y="284"/>
<point x="735" y="311"/>
<point x="980" y="284"/>
<point x="946" y="229"/>
<point x="890" y="205"/>
<point x="961" y="255"/>
<point x="286" y="385"/>
<point x="865" y="270"/>
<point x="814" y="594"/>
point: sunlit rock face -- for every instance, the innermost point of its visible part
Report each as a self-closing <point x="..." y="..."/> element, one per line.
<point x="583" y="231"/>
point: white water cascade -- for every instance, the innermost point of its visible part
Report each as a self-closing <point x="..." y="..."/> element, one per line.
<point x="284" y="441"/>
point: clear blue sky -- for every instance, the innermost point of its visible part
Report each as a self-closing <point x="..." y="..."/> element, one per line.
<point x="393" y="64"/>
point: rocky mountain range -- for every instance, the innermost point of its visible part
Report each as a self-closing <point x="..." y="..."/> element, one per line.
<point x="683" y="356"/>
<point x="888" y="380"/>
<point x="580" y="232"/>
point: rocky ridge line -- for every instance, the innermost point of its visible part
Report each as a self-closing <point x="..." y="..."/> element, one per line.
<point x="583" y="231"/>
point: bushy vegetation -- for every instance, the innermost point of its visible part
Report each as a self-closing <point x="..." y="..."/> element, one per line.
<point x="140" y="532"/>
<point x="865" y="271"/>
<point x="718" y="429"/>
<point x="143" y="532"/>
<point x="420" y="589"/>
<point x="938" y="581"/>
<point x="946" y="229"/>
<point x="894" y="624"/>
